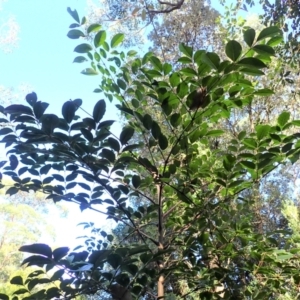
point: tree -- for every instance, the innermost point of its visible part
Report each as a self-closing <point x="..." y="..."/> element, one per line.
<point x="197" y="195"/>
<point x="22" y="221"/>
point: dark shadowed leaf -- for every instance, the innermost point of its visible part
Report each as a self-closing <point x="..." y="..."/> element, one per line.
<point x="18" y="280"/>
<point x="68" y="111"/>
<point x="87" y="134"/>
<point x="114" y="260"/>
<point x="45" y="169"/>
<point x="99" y="110"/>
<point x="18" y="109"/>
<point x="13" y="162"/>
<point x="12" y="191"/>
<point x="49" y="123"/>
<point x="20" y="292"/>
<point x="83" y="48"/>
<point x="36" y="260"/>
<point x="3" y="297"/>
<point x="73" y="14"/>
<point x="75" y="34"/>
<point x="79" y="59"/>
<point x="163" y="142"/>
<point x="59" y="253"/>
<point x="126" y="134"/>
<point x="37" y="248"/>
<point x="31" y="98"/>
<point x="39" y="109"/>
<point x="136" y="181"/>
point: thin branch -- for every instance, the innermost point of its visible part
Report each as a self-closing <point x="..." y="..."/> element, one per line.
<point x="167" y="10"/>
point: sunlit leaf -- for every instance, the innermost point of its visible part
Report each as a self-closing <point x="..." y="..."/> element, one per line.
<point x="249" y="36"/>
<point x="233" y="50"/>
<point x="117" y="40"/>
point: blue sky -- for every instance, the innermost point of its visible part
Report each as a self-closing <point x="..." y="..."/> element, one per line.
<point x="43" y="60"/>
<point x="44" y="56"/>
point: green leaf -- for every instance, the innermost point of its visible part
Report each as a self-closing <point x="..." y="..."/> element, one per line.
<point x="20" y="292"/>
<point x="252" y="72"/>
<point x="59" y="253"/>
<point x="233" y="50"/>
<point x="68" y="111"/>
<point x="163" y="142"/>
<point x="156" y="63"/>
<point x="155" y="130"/>
<point x="37" y="248"/>
<point x="167" y="68"/>
<point x="99" y="110"/>
<point x="186" y="50"/>
<point x="39" y="109"/>
<point x="264" y="92"/>
<point x="249" y="36"/>
<point x="216" y="132"/>
<point x="262" y="131"/>
<point x="100" y="38"/>
<point x="117" y="40"/>
<point x="264" y="50"/>
<point x="18" y="109"/>
<point x="79" y="59"/>
<point x="211" y="59"/>
<point x="275" y="41"/>
<point x="283" y="118"/>
<point x="126" y="134"/>
<point x="49" y="123"/>
<point x="89" y="71"/>
<point x="248" y="164"/>
<point x="75" y="34"/>
<point x="4" y="297"/>
<point x="121" y="84"/>
<point x="174" y="79"/>
<point x="252" y="62"/>
<point x="108" y="154"/>
<point x="31" y="98"/>
<point x="93" y="28"/>
<point x="136" y="181"/>
<point x="114" y="260"/>
<point x="18" y="280"/>
<point x="83" y="48"/>
<point x="73" y="14"/>
<point x="147" y="121"/>
<point x="188" y="72"/>
<point x="268" y="32"/>
<point x="87" y="134"/>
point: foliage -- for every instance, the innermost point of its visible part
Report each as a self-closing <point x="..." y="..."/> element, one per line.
<point x="22" y="221"/>
<point x="196" y="194"/>
<point x="194" y="24"/>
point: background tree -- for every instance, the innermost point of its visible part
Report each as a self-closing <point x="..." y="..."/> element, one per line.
<point x="22" y="221"/>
